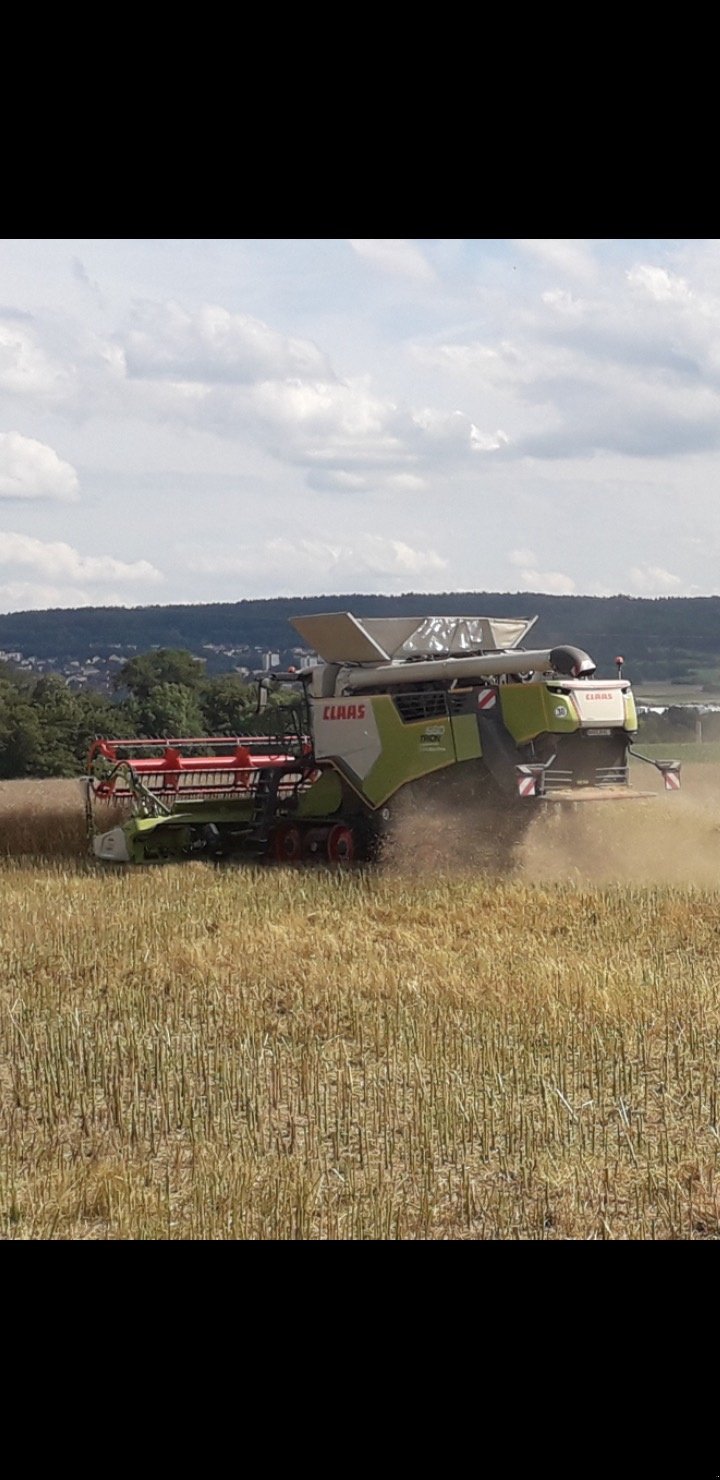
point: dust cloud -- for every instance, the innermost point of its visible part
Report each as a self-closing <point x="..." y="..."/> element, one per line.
<point x="668" y="838"/>
<point x="671" y="838"/>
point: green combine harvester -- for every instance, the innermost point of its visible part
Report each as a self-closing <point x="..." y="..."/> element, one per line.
<point x="397" y="710"/>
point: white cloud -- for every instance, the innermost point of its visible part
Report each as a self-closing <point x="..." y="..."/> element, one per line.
<point x="487" y="441"/>
<point x="366" y="441"/>
<point x="26" y="368"/>
<point x="395" y="558"/>
<point x="563" y="302"/>
<point x="522" y="557"/>
<point x="559" y="254"/>
<point x="213" y="345"/>
<point x="660" y="284"/>
<point x="406" y="483"/>
<point x="652" y="580"/>
<point x="334" y="413"/>
<point x="230" y="375"/>
<point x="58" y="561"/>
<point x="455" y="429"/>
<point x="33" y="596"/>
<point x="395" y="255"/>
<point x="30" y="470"/>
<point x="322" y="561"/>
<point x="554" y="582"/>
<point x="473" y="358"/>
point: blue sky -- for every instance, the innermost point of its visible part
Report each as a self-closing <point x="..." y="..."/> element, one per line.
<point x="207" y="420"/>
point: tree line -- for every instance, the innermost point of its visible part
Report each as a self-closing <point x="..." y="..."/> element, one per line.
<point x="46" y="729"/>
<point x="662" y="638"/>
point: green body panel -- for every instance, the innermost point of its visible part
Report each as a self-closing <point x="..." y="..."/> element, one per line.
<point x="529" y="709"/>
<point x="323" y="797"/>
<point x="172" y="832"/>
<point x="467" y="737"/>
<point x="155" y="834"/>
<point x="408" y="750"/>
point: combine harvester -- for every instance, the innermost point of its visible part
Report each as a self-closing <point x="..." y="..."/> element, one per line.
<point x="399" y="710"/>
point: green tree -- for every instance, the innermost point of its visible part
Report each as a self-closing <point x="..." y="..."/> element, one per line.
<point x="57" y="713"/>
<point x="169" y="710"/>
<point x="96" y="715"/>
<point x="149" y="671"/>
<point x="225" y="702"/>
<point x="22" y="749"/>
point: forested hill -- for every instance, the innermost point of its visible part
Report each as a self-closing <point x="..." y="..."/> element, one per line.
<point x="667" y="637"/>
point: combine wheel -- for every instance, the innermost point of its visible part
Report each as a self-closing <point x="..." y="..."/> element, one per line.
<point x="288" y="844"/>
<point x="341" y="843"/>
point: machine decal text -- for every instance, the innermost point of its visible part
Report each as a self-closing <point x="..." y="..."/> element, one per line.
<point x="344" y="711"/>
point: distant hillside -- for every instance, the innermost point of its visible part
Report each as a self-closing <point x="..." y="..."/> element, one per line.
<point x="675" y="638"/>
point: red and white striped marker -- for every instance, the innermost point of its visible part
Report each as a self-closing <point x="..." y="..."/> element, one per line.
<point x="672" y="780"/>
<point x="526" y="786"/>
<point x="486" y="699"/>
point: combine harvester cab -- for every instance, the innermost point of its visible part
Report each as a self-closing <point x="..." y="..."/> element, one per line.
<point x="397" y="709"/>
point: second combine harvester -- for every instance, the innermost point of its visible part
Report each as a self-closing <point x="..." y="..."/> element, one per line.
<point x="399" y="710"/>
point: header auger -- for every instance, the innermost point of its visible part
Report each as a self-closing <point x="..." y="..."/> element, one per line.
<point x="398" y="708"/>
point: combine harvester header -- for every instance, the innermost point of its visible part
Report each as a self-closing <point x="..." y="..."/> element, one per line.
<point x="411" y="707"/>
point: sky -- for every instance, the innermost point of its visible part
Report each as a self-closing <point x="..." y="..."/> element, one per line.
<point x="210" y="420"/>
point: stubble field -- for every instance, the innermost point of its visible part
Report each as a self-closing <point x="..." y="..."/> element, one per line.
<point x="429" y="1050"/>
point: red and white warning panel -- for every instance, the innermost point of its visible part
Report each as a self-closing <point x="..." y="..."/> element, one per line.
<point x="486" y="698"/>
<point x="670" y="774"/>
<point x="531" y="780"/>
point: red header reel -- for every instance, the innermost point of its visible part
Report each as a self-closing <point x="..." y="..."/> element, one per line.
<point x="201" y="766"/>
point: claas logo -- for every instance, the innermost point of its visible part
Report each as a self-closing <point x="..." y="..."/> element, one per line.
<point x="344" y="711"/>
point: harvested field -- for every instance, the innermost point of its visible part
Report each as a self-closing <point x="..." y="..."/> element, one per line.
<point x="426" y="1052"/>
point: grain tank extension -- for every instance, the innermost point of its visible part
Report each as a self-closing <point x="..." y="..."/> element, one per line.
<point x="398" y="711"/>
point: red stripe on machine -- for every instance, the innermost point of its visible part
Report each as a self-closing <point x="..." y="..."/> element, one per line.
<point x="672" y="780"/>
<point x="526" y="786"/>
<point x="486" y="699"/>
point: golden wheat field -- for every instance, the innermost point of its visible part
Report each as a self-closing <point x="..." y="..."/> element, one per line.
<point x="428" y="1050"/>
